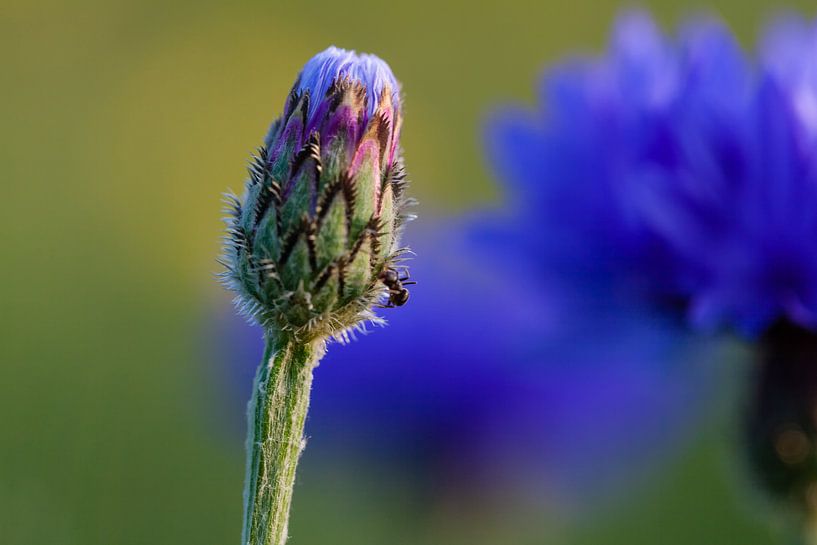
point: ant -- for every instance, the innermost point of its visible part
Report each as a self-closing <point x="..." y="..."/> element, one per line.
<point x="398" y="294"/>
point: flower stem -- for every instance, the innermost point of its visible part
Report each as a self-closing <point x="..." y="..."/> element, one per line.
<point x="276" y="416"/>
<point x="810" y="532"/>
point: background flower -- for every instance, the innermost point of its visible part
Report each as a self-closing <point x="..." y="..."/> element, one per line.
<point x="675" y="173"/>
<point x="681" y="179"/>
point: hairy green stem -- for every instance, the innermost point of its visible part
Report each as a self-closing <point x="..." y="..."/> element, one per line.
<point x="276" y="416"/>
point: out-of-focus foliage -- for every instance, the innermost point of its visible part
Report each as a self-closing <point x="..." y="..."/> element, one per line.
<point x="122" y="124"/>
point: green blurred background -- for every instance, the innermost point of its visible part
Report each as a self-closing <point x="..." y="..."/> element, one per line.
<point x="123" y="122"/>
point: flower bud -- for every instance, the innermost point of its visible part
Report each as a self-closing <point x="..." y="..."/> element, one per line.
<point x="319" y="225"/>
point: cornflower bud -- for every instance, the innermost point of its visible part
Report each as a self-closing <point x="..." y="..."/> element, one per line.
<point x="319" y="225"/>
<point x="311" y="248"/>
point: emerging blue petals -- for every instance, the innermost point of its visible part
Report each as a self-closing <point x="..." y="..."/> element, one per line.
<point x="327" y="66"/>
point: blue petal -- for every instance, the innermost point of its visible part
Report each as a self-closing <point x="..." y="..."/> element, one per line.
<point x="324" y="68"/>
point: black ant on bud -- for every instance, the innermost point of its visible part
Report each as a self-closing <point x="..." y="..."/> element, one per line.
<point x="398" y="294"/>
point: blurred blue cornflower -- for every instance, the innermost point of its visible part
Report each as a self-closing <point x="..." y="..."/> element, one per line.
<point x="680" y="178"/>
<point x="675" y="175"/>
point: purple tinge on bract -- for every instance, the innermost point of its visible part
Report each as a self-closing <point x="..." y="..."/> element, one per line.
<point x="344" y="91"/>
<point x="344" y="94"/>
